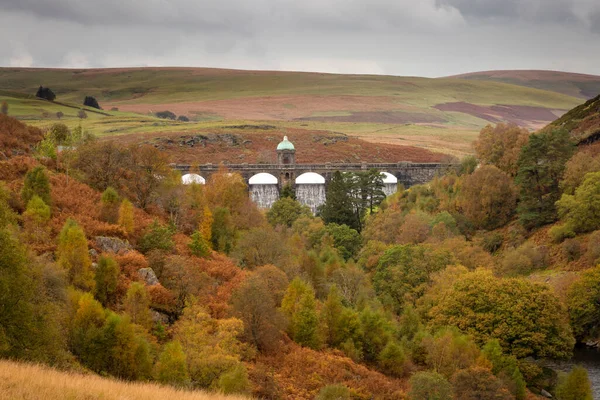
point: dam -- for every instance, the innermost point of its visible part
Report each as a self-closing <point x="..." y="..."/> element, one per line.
<point x="309" y="181"/>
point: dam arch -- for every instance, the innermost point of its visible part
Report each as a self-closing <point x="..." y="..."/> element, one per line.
<point x="264" y="189"/>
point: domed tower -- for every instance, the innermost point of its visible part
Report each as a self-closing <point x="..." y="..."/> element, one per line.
<point x="286" y="153"/>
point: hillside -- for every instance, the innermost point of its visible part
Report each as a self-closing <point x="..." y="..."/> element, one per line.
<point x="442" y="115"/>
<point x="583" y="121"/>
<point x="32" y="382"/>
<point x="571" y="84"/>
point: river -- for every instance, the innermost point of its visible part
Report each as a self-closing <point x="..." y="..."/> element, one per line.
<point x="587" y="357"/>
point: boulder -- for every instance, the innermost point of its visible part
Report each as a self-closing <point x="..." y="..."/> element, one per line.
<point x="112" y="245"/>
<point x="545" y="394"/>
<point x="159" y="317"/>
<point x="148" y="275"/>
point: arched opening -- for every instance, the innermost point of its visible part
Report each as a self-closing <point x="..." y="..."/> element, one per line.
<point x="390" y="183"/>
<point x="188" y="179"/>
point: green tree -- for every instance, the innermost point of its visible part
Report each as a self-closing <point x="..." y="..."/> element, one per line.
<point x="300" y="306"/>
<point x="235" y="381"/>
<point x="338" y="207"/>
<point x="171" y="367"/>
<point x="223" y="230"/>
<point x="392" y="359"/>
<point x="137" y="305"/>
<point x="288" y="192"/>
<point x="575" y="386"/>
<point x="286" y="211"/>
<point x="345" y="239"/>
<point x="427" y="385"/>
<point x="370" y="184"/>
<point x="506" y="368"/>
<point x="36" y="218"/>
<point x="376" y="331"/>
<point x="540" y="167"/>
<point x="107" y="278"/>
<point x="404" y="272"/>
<point x="73" y="256"/>
<point x="199" y="246"/>
<point x="449" y="351"/>
<point x="36" y="184"/>
<point x="157" y="237"/>
<point x="581" y="212"/>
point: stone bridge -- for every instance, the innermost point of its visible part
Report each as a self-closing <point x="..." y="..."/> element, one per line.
<point x="407" y="173"/>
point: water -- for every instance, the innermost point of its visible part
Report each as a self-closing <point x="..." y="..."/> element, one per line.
<point x="588" y="358"/>
<point x="312" y="195"/>
<point x="390" y="188"/>
<point x="264" y="195"/>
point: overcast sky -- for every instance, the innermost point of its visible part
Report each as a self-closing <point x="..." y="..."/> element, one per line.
<point x="396" y="37"/>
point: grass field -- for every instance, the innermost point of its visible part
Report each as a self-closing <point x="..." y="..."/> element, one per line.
<point x="20" y="381"/>
<point x="441" y="115"/>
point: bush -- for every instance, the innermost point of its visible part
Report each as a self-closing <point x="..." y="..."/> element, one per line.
<point x="334" y="392"/>
<point x="392" y="360"/>
<point x="429" y="386"/>
<point x="183" y="118"/>
<point x="558" y="233"/>
<point x="36" y="184"/>
<point x="166" y="115"/>
<point x="525" y="259"/>
<point x="158" y="237"/>
<point x="593" y="250"/>
<point x="114" y="109"/>
<point x="81" y="114"/>
<point x="571" y="249"/>
<point x="90" y="101"/>
<point x="59" y="114"/>
<point x="492" y="241"/>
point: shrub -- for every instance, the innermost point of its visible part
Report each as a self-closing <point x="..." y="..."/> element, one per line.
<point x="593" y="250"/>
<point x="392" y="359"/>
<point x="334" y="392"/>
<point x="199" y="246"/>
<point x="429" y="386"/>
<point x="81" y="114"/>
<point x="157" y="237"/>
<point x="36" y="184"/>
<point x="59" y="114"/>
<point x="558" y="233"/>
<point x="524" y="259"/>
<point x="183" y="118"/>
<point x="166" y="115"/>
<point x="479" y="384"/>
<point x="571" y="249"/>
<point x="492" y="241"/>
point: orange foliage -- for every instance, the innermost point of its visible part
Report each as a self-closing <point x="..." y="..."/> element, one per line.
<point x="302" y="372"/>
<point x="16" y="138"/>
<point x="130" y="263"/>
<point x="16" y="168"/>
<point x="160" y="297"/>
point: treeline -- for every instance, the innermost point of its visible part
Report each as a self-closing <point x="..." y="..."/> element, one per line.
<point x="116" y="267"/>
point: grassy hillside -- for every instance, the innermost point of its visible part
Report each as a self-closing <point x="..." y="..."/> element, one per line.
<point x="583" y="121"/>
<point x="32" y="382"/>
<point x="577" y="85"/>
<point x="437" y="114"/>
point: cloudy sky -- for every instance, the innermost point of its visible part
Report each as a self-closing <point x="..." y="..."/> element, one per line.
<point x="396" y="37"/>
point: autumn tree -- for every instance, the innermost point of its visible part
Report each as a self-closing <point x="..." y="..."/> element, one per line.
<point x="222" y="230"/>
<point x="199" y="246"/>
<point x="171" y="367"/>
<point x="575" y="386"/>
<point x="149" y="166"/>
<point x="109" y="210"/>
<point x="506" y="368"/>
<point x="478" y="383"/>
<point x="584" y="310"/>
<point x="525" y="317"/>
<point x="449" y="351"/>
<point x="126" y="216"/>
<point x="137" y="305"/>
<point x="184" y="279"/>
<point x="427" y="385"/>
<point x="254" y="304"/>
<point x="104" y="164"/>
<point x="107" y="279"/>
<point x="36" y="218"/>
<point x="261" y="246"/>
<point x="540" y="167"/>
<point x="488" y="197"/>
<point x="36" y="184"/>
<point x="73" y="256"/>
<point x="500" y="146"/>
<point x="576" y="169"/>
<point x="286" y="211"/>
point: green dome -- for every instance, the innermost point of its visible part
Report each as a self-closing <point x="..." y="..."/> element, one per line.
<point x="285" y="144"/>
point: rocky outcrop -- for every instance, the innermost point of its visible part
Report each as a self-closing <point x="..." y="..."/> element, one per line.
<point x="112" y="245"/>
<point x="148" y="275"/>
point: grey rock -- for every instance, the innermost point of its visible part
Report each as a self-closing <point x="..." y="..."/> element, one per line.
<point x="158" y="317"/>
<point x="94" y="265"/>
<point x="148" y="275"/>
<point x="112" y="244"/>
<point x="545" y="394"/>
<point x="93" y="253"/>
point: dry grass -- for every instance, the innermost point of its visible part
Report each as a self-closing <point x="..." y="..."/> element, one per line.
<point x="32" y="382"/>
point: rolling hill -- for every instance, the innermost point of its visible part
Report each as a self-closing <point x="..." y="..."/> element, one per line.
<point x="439" y="115"/>
<point x="577" y="85"/>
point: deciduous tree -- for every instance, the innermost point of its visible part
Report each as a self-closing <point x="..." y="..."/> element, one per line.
<point x="73" y="256"/>
<point x="501" y="145"/>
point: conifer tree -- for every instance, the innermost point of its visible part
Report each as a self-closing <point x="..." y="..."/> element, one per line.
<point x="73" y="256"/>
<point x="338" y="206"/>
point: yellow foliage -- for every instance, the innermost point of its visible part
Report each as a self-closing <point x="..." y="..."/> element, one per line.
<point x="126" y="216"/>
